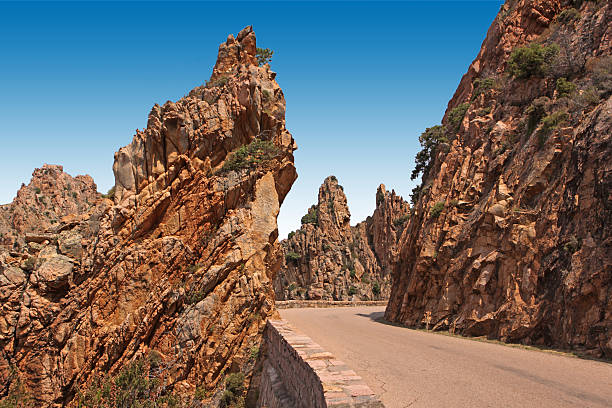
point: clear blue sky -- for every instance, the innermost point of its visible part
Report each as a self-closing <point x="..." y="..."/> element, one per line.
<point x="361" y="80"/>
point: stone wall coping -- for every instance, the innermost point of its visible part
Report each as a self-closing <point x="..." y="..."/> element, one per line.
<point x="290" y="304"/>
<point x="342" y="387"/>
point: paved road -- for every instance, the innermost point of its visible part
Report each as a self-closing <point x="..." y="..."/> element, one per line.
<point x="410" y="368"/>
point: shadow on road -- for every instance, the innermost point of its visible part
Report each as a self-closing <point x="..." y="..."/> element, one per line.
<point x="374" y="316"/>
<point x="379" y="317"/>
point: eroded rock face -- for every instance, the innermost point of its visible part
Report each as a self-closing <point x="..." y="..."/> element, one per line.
<point x="511" y="235"/>
<point x="328" y="259"/>
<point x="50" y="196"/>
<point x="180" y="263"/>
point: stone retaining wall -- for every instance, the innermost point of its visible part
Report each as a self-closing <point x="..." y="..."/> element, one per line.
<point x="289" y="304"/>
<point x="299" y="373"/>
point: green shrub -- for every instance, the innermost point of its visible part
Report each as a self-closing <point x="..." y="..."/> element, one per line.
<point x="532" y="60"/>
<point x="221" y="81"/>
<point x="550" y="122"/>
<point x="565" y="88"/>
<point x="429" y="139"/>
<point x="312" y="217"/>
<point x="264" y="56"/>
<point x="535" y="112"/>
<point x="415" y="194"/>
<point x="376" y="288"/>
<point x="455" y="116"/>
<point x="291" y="235"/>
<point x="267" y="95"/>
<point x="572" y="245"/>
<point x="195" y="295"/>
<point x="254" y="352"/>
<point x="251" y="155"/>
<point x="485" y="111"/>
<point x="401" y="220"/>
<point x="352" y="291"/>
<point x="110" y="193"/>
<point x="36" y="190"/>
<point x="134" y="386"/>
<point x="291" y="287"/>
<point x="352" y="273"/>
<point x="483" y="86"/>
<point x="200" y="392"/>
<point x="234" y="388"/>
<point x="568" y="15"/>
<point x="292" y="257"/>
<point x="193" y="268"/>
<point x="30" y="263"/>
<point x="588" y="97"/>
<point x="436" y="209"/>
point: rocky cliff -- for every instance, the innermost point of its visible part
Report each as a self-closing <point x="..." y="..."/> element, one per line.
<point x="328" y="259"/>
<point x="510" y="235"/>
<point x="167" y="286"/>
<point x="50" y="196"/>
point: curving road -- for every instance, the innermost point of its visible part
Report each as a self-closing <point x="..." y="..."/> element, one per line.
<point x="410" y="368"/>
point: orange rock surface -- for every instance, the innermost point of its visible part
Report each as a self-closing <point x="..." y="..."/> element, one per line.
<point x="329" y="259"/>
<point x="180" y="263"/>
<point x="511" y="236"/>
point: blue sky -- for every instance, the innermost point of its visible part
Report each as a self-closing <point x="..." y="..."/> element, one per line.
<point x="361" y="80"/>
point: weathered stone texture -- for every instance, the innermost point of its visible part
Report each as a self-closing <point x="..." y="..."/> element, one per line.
<point x="180" y="262"/>
<point x="329" y="259"/>
<point x="521" y="250"/>
<point x="299" y="371"/>
<point x="51" y="197"/>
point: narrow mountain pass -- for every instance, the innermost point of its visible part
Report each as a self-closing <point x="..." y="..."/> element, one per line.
<point x="410" y="368"/>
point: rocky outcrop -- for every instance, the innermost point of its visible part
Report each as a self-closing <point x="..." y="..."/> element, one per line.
<point x="511" y="235"/>
<point x="50" y="196"/>
<point x="328" y="259"/>
<point x="178" y="268"/>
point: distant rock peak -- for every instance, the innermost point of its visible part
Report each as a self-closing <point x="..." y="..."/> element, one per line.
<point x="329" y="259"/>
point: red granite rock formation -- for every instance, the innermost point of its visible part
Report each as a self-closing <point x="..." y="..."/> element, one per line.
<point x="328" y="259"/>
<point x="511" y="235"/>
<point x="43" y="204"/>
<point x="179" y="267"/>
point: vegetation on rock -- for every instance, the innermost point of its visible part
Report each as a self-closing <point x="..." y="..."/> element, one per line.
<point x="234" y="388"/>
<point x="549" y="123"/>
<point x="138" y="385"/>
<point x="568" y="15"/>
<point x="532" y="60"/>
<point x="401" y="220"/>
<point x="436" y="209"/>
<point x="565" y="88"/>
<point x="292" y="256"/>
<point x="311" y="217"/>
<point x="250" y="156"/>
<point x="110" y="194"/>
<point x="483" y="86"/>
<point x="429" y="139"/>
<point x="264" y="56"/>
<point x="456" y="115"/>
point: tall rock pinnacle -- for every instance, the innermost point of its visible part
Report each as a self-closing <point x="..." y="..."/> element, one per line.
<point x="177" y="273"/>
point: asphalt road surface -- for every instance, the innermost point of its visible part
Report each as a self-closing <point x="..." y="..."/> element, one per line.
<point x="410" y="368"/>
